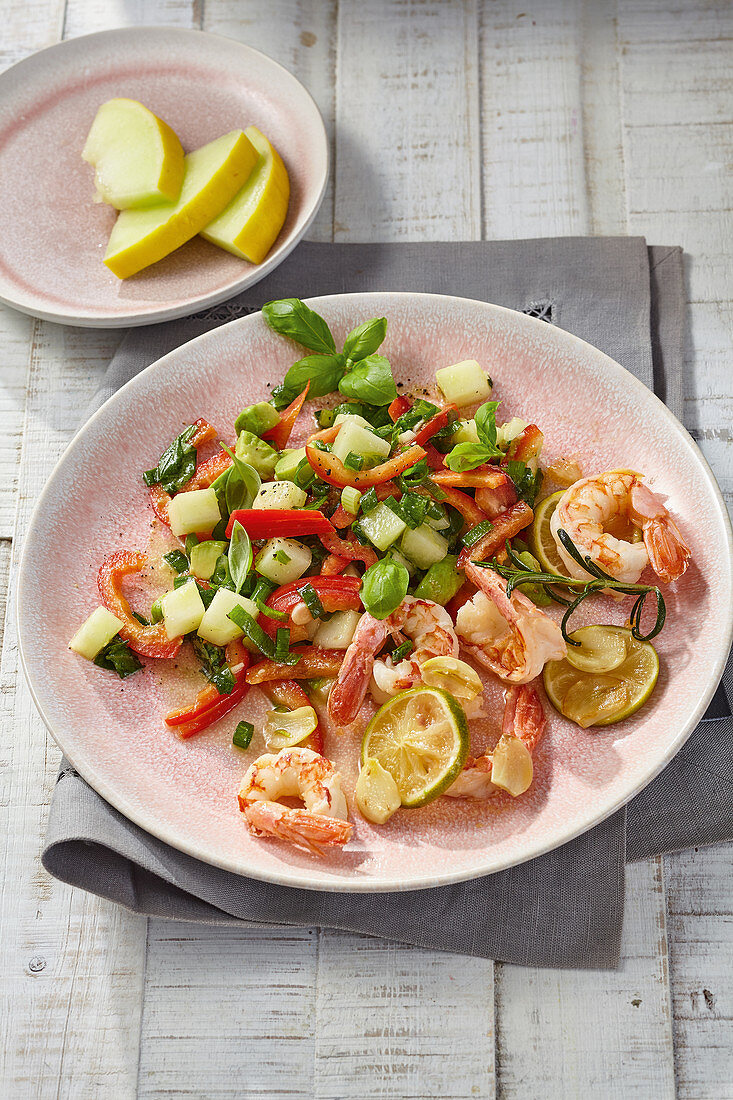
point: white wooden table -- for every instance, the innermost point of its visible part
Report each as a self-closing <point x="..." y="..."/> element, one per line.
<point x="449" y="120"/>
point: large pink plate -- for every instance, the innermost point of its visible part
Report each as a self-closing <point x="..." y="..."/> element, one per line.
<point x="185" y="792"/>
<point x="53" y="236"/>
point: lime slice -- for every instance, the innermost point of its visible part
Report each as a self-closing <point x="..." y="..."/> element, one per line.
<point x="598" y="699"/>
<point x="542" y="542"/>
<point x="601" y="649"/>
<point x="421" y="738"/>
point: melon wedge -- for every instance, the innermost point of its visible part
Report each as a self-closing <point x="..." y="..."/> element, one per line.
<point x="213" y="176"/>
<point x="251" y="222"/>
<point x="137" y="158"/>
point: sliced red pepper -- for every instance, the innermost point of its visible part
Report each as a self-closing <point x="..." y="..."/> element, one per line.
<point x="487" y="477"/>
<point x="433" y="457"/>
<point x="333" y="565"/>
<point x="202" y="478"/>
<point x="289" y="693"/>
<point x="527" y="445"/>
<point x="464" y="594"/>
<point x="464" y="504"/>
<point x="149" y="641"/>
<point x="399" y="406"/>
<point x="331" y="469"/>
<point x="341" y="518"/>
<point x="335" y="593"/>
<point x="434" y="424"/>
<point x="279" y="434"/>
<point x="209" y="706"/>
<point x="494" y="501"/>
<point x="314" y="662"/>
<point x="263" y="523"/>
<point x="348" y="548"/>
<point x="504" y="526"/>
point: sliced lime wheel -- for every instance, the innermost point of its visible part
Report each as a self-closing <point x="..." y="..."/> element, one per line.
<point x="600" y="698"/>
<point x="541" y="539"/>
<point x="421" y="738"/>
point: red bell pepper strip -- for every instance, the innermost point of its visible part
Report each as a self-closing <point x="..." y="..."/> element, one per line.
<point x="209" y="706"/>
<point x="464" y="504"/>
<point x="289" y="693"/>
<point x="504" y="526"/>
<point x="348" y="548"/>
<point x="433" y="457"/>
<point x="341" y="518"/>
<point x="487" y="477"/>
<point x="335" y="593"/>
<point x="263" y="523"/>
<point x="464" y="594"/>
<point x="279" y="434"/>
<point x="434" y="425"/>
<point x="399" y="406"/>
<point x="149" y="641"/>
<point x="493" y="502"/>
<point x="527" y="444"/>
<point x="333" y="565"/>
<point x="314" y="662"/>
<point x="331" y="469"/>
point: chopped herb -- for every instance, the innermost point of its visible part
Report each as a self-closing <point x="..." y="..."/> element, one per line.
<point x="369" y="501"/>
<point x="282" y="557"/>
<point x="156" y="612"/>
<point x="176" y="465"/>
<point x="214" y="666"/>
<point x="282" y="648"/>
<point x="191" y="541"/>
<point x="270" y="612"/>
<point x="253" y="631"/>
<point x="243" y="735"/>
<point x="140" y="618"/>
<point x="181" y="579"/>
<point x="312" y="601"/>
<point x="402" y="651"/>
<point x="477" y="533"/>
<point x="205" y="592"/>
<point x="263" y="589"/>
<point x="325" y="417"/>
<point x="413" y="509"/>
<point x="118" y="657"/>
<point x="418" y="413"/>
<point x="354" y="461"/>
<point x="221" y="577"/>
<point x="526" y="483"/>
<point x="177" y="560"/>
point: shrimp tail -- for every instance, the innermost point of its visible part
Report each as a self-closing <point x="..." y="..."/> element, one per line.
<point x="349" y="691"/>
<point x="312" y="832"/>
<point x="524" y="715"/>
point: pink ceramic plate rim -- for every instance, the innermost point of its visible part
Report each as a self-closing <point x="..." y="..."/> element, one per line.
<point x="359" y="306"/>
<point x="23" y="296"/>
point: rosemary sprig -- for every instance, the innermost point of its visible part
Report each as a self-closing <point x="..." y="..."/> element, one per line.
<point x="599" y="581"/>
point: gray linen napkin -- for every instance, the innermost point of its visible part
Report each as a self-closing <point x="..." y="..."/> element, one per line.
<point x="564" y="908"/>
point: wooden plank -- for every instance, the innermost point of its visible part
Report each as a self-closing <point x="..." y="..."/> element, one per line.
<point x="228" y="1013"/>
<point x="88" y="16"/>
<point x="71" y="965"/>
<point x="577" y="1034"/>
<point x="15" y="330"/>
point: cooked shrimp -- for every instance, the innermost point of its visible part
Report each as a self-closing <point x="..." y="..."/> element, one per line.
<point x="299" y="773"/>
<point x="426" y="624"/>
<point x="597" y="513"/>
<point x="524" y="717"/>
<point x="507" y="634"/>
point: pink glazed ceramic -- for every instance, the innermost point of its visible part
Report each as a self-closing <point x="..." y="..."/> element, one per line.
<point x="53" y="236"/>
<point x="185" y="792"/>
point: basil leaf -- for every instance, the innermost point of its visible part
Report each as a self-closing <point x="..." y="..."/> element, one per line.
<point x="322" y="371"/>
<point x="486" y="426"/>
<point x="177" y="561"/>
<point x="467" y="456"/>
<point x="221" y="577"/>
<point x="526" y="483"/>
<point x="213" y="665"/>
<point x="240" y="556"/>
<point x="371" y="380"/>
<point x="365" y="339"/>
<point x="384" y="587"/>
<point x="118" y="657"/>
<point x="291" y="317"/>
<point x="242" y="484"/>
<point x="176" y="465"/>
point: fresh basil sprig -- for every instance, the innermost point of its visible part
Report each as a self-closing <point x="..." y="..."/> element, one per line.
<point x="365" y="339"/>
<point x="240" y="556"/>
<point x="467" y="456"/>
<point x="293" y="318"/>
<point x="324" y="372"/>
<point x="384" y="587"/>
<point x="176" y="465"/>
<point x="371" y="381"/>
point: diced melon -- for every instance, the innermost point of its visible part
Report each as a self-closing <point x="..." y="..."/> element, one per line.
<point x="338" y="631"/>
<point x="355" y="438"/>
<point x="463" y="383"/>
<point x="138" y="159"/>
<point x="505" y="433"/>
<point x="465" y="433"/>
<point x="382" y="527"/>
<point x="249" y="225"/>
<point x="215" y="626"/>
<point x="194" y="511"/>
<point x="213" y="175"/>
<point x="183" y="609"/>
<point x="400" y="559"/>
<point x="283" y="560"/>
<point x="204" y="556"/>
<point x="351" y="418"/>
<point x="94" y="634"/>
<point x="424" y="546"/>
<point x="280" y="494"/>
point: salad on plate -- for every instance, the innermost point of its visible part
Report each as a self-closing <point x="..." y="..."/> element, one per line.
<point x="373" y="582"/>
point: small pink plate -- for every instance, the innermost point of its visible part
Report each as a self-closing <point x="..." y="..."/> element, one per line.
<point x="185" y="791"/>
<point x="53" y="236"/>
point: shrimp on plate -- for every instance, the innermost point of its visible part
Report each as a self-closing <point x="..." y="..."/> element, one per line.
<point x="600" y="514"/>
<point x="507" y="634"/>
<point x="299" y="773"/>
<point x="426" y="624"/>
<point x="524" y="717"/>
